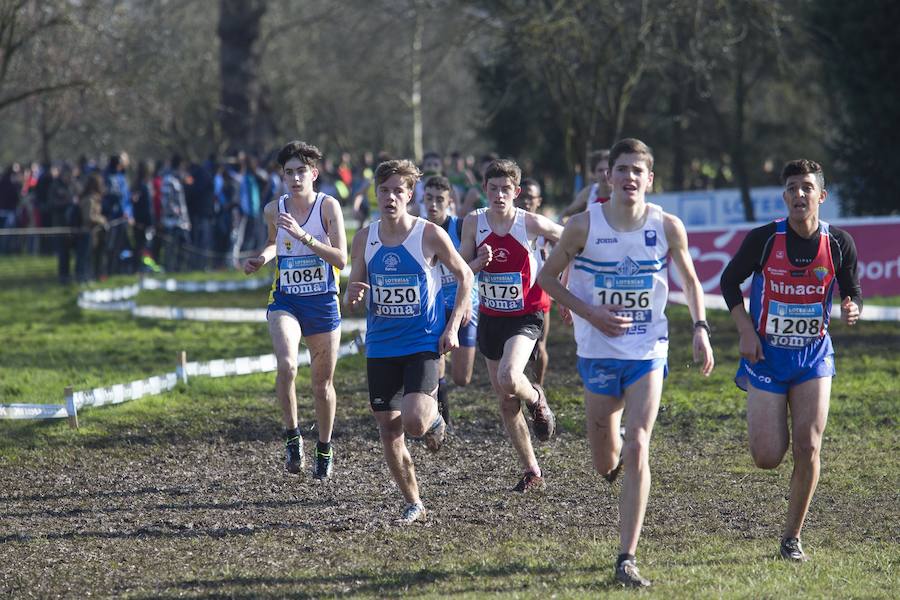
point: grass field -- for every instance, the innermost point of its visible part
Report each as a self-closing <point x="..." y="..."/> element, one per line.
<point x="183" y="494"/>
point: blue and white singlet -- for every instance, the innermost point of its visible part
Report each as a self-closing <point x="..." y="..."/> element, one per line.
<point x="300" y="274"/>
<point x="405" y="302"/>
<point x="626" y="268"/>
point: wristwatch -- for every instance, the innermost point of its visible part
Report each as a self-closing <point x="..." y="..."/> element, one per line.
<point x="704" y="325"/>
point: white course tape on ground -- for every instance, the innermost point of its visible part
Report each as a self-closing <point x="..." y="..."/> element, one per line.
<point x="33" y="411"/>
<point x="115" y="394"/>
<point x="869" y="313"/>
<point x="174" y="285"/>
<point x="118" y="299"/>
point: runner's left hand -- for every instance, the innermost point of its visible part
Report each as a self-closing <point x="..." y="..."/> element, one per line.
<point x="849" y="311"/>
<point x="703" y="354"/>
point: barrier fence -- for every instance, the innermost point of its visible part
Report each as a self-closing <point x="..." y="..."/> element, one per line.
<point x="119" y="299"/>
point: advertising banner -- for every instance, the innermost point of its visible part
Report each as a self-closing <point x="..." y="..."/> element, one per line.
<point x="877" y="244"/>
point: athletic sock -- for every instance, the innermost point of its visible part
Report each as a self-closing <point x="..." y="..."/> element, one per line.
<point x="290" y="434"/>
<point x="623" y="557"/>
<point x="323" y="447"/>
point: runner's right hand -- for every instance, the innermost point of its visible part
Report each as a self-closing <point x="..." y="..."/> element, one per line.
<point x="608" y="321"/>
<point x="356" y="291"/>
<point x="750" y="347"/>
<point x="252" y="265"/>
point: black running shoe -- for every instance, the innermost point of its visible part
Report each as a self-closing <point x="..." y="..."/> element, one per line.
<point x="542" y="416"/>
<point x="293" y="455"/>
<point x="324" y="462"/>
<point x="628" y="575"/>
<point x="530" y="481"/>
<point x="791" y="550"/>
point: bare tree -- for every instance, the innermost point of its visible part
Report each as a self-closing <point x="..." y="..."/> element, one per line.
<point x="239" y="30"/>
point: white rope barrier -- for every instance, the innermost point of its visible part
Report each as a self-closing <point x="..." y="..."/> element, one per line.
<point x="152" y="386"/>
<point x="869" y="312"/>
<point x="119" y="299"/>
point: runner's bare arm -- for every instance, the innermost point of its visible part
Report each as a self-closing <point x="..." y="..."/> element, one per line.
<point x="255" y="263"/>
<point x="693" y="291"/>
<point x="440" y="244"/>
<point x="358" y="283"/>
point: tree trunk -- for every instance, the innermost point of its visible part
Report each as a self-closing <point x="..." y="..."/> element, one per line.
<point x="676" y="114"/>
<point x="238" y="30"/>
<point x="416" y="96"/>
<point x="738" y="150"/>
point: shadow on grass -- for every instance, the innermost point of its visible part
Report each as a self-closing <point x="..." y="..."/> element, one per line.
<point x="159" y="532"/>
<point x="505" y="579"/>
<point x="93" y="510"/>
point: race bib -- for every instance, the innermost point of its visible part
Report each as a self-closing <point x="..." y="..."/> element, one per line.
<point x="632" y="292"/>
<point x="793" y="325"/>
<point x="501" y="291"/>
<point x="396" y="296"/>
<point x="302" y="275"/>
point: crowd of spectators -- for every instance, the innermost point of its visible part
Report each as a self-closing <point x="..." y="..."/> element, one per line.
<point x="127" y="217"/>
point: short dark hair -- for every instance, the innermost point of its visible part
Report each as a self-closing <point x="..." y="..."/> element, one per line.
<point x="530" y="181"/>
<point x="431" y="154"/>
<point x="630" y="146"/>
<point x="598" y="156"/>
<point x="803" y="166"/>
<point x="438" y="182"/>
<point x="305" y="153"/>
<point x="406" y="169"/>
<point x="503" y="168"/>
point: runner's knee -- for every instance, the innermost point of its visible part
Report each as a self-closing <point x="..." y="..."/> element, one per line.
<point x="766" y="458"/>
<point x="807" y="450"/>
<point x="287" y="367"/>
<point x="636" y="448"/>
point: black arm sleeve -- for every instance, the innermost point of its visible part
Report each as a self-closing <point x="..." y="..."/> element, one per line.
<point x="846" y="271"/>
<point x="748" y="259"/>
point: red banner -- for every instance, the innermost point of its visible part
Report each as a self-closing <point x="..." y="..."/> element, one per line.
<point x="877" y="245"/>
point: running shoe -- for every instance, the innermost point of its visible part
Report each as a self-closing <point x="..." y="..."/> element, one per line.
<point x="628" y="575"/>
<point x="411" y="513"/>
<point x="542" y="416"/>
<point x="324" y="462"/>
<point x="434" y="437"/>
<point x="791" y="550"/>
<point x="293" y="455"/>
<point x="530" y="481"/>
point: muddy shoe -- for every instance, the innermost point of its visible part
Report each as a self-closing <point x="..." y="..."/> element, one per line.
<point x="791" y="550"/>
<point x="530" y="481"/>
<point x="293" y="455"/>
<point x="628" y="575"/>
<point x="434" y="437"/>
<point x="542" y="416"/>
<point x="411" y="513"/>
<point x="324" y="462"/>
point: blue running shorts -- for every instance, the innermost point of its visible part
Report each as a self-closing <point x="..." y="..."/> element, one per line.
<point x="610" y="376"/>
<point x="779" y="380"/>
<point x="316" y="314"/>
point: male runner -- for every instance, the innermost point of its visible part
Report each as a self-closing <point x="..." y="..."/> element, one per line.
<point x="598" y="191"/>
<point x="496" y="241"/>
<point x="617" y="291"/>
<point x="786" y="354"/>
<point x="530" y="200"/>
<point x="437" y="204"/>
<point x="306" y="235"/>
<point x="396" y="260"/>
